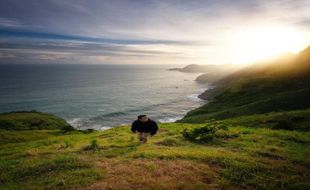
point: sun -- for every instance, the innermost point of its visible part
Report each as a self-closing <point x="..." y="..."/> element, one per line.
<point x="265" y="42"/>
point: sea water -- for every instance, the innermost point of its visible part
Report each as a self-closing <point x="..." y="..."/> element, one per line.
<point x="99" y="96"/>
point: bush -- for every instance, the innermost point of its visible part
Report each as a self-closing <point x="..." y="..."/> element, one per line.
<point x="94" y="146"/>
<point x="206" y="133"/>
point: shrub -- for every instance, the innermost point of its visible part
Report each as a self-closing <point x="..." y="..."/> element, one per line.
<point x="206" y="133"/>
<point x="94" y="146"/>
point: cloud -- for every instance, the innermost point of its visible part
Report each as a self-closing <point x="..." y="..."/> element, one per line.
<point x="54" y="36"/>
<point x="9" y="23"/>
<point x="6" y="56"/>
<point x="197" y="31"/>
<point x="34" y="47"/>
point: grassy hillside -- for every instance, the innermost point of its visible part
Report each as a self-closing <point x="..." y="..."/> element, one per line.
<point x="254" y="96"/>
<point x="237" y="157"/>
<point x="30" y="120"/>
<point x="275" y="87"/>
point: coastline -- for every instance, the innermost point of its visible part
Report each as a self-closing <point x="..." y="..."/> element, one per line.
<point x="166" y="111"/>
<point x="104" y="99"/>
<point x="85" y="124"/>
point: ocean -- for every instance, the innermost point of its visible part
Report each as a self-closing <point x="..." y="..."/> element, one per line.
<point x="99" y="96"/>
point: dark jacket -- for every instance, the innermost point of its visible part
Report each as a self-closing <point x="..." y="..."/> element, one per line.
<point x="148" y="127"/>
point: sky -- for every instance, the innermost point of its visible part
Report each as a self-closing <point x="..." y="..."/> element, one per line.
<point x="151" y="31"/>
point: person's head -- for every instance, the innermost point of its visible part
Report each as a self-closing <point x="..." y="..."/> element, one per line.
<point x="143" y="118"/>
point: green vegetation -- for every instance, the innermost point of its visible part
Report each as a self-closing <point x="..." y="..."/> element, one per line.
<point x="206" y="133"/>
<point x="29" y="120"/>
<point x="277" y="87"/>
<point x="256" y="96"/>
<point x="290" y="120"/>
<point x="237" y="157"/>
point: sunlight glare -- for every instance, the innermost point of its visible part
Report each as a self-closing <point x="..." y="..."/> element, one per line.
<point x="262" y="43"/>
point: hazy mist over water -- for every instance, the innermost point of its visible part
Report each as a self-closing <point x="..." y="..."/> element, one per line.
<point x="99" y="96"/>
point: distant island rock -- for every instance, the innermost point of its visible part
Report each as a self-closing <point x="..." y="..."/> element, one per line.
<point x="211" y="72"/>
<point x="194" y="68"/>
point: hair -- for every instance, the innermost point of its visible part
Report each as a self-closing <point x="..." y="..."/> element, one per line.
<point x="140" y="116"/>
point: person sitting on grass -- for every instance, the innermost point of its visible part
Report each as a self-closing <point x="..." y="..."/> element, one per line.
<point x="145" y="127"/>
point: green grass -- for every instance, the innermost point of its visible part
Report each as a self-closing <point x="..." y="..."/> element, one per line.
<point x="290" y="120"/>
<point x="29" y="120"/>
<point x="243" y="158"/>
<point x="248" y="96"/>
<point x="281" y="86"/>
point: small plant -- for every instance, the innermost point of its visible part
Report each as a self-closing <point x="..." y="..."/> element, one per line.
<point x="68" y="144"/>
<point x="94" y="146"/>
<point x="206" y="133"/>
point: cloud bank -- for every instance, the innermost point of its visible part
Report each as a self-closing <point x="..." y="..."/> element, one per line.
<point x="135" y="31"/>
